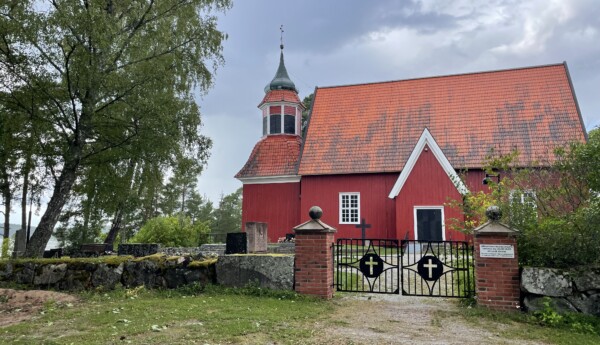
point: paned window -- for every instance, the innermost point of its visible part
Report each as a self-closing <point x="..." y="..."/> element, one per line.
<point x="525" y="197"/>
<point x="289" y="125"/>
<point x="349" y="208"/>
<point x="275" y="121"/>
<point x="264" y="125"/>
<point x="522" y="207"/>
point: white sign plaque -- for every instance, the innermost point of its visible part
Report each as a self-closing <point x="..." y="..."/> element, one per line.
<point x="500" y="251"/>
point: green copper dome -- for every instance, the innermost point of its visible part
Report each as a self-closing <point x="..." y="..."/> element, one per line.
<point x="281" y="81"/>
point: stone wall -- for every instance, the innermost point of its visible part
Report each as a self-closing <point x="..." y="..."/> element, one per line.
<point x="282" y="248"/>
<point x="182" y="251"/>
<point x="575" y="290"/>
<point x="276" y="248"/>
<point x="268" y="270"/>
<point x="216" y="248"/>
<point x="138" y="249"/>
<point x="109" y="272"/>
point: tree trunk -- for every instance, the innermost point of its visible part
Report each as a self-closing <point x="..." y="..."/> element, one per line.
<point x="41" y="236"/>
<point x="6" y="238"/>
<point x="66" y="180"/>
<point x="87" y="210"/>
<point x="6" y="196"/>
<point x="118" y="218"/>
<point x="24" y="197"/>
<point x="116" y="226"/>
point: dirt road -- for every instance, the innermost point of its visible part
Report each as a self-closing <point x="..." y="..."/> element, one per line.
<point x="393" y="319"/>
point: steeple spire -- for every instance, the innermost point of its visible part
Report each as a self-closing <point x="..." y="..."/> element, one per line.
<point x="281" y="44"/>
<point x="282" y="80"/>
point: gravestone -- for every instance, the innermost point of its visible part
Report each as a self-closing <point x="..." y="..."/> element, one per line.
<point x="53" y="253"/>
<point x="257" y="237"/>
<point x="236" y="243"/>
<point x="20" y="243"/>
<point x="91" y="250"/>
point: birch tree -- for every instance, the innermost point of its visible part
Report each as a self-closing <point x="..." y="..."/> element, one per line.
<point x="119" y="74"/>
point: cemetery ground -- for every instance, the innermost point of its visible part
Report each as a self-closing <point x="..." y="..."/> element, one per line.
<point x="215" y="315"/>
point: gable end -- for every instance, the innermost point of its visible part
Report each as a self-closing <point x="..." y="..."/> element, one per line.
<point x="427" y="139"/>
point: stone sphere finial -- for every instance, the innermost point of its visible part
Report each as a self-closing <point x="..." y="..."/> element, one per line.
<point x="493" y="213"/>
<point x="315" y="212"/>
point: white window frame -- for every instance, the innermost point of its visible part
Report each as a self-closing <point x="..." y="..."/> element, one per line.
<point x="349" y="194"/>
<point x="282" y="117"/>
<point x="415" y="208"/>
<point x="523" y="193"/>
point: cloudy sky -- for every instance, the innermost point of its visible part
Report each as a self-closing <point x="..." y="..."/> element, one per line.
<point x="348" y="42"/>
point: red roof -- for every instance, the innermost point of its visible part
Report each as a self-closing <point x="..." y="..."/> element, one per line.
<point x="274" y="155"/>
<point x="280" y="96"/>
<point x="374" y="127"/>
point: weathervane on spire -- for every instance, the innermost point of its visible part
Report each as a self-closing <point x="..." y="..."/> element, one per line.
<point x="281" y="29"/>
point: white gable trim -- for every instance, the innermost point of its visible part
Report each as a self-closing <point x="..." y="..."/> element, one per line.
<point x="270" y="179"/>
<point x="427" y="139"/>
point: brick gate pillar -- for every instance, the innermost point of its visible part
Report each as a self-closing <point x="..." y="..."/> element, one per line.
<point x="314" y="256"/>
<point x="497" y="280"/>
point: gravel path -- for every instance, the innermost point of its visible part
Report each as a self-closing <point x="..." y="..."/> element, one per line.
<point x="393" y="319"/>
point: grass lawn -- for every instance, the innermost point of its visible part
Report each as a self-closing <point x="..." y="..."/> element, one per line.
<point x="252" y="316"/>
<point x="173" y="317"/>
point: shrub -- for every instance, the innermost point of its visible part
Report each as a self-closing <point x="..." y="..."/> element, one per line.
<point x="559" y="224"/>
<point x="172" y="232"/>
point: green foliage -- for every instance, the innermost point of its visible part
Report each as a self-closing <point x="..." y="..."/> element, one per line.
<point x="109" y="85"/>
<point x="554" y="205"/>
<point x="562" y="242"/>
<point x="307" y="103"/>
<point x="228" y="217"/>
<point x="72" y="237"/>
<point x="548" y="316"/>
<point x="172" y="232"/>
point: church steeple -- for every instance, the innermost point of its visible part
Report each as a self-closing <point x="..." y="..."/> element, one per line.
<point x="274" y="158"/>
<point x="281" y="107"/>
<point x="282" y="80"/>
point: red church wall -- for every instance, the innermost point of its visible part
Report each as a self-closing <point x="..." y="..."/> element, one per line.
<point x="427" y="185"/>
<point x="375" y="206"/>
<point x="277" y="204"/>
<point x="474" y="181"/>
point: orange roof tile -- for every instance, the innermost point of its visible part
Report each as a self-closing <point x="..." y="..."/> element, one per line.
<point x="280" y="96"/>
<point x="274" y="155"/>
<point x="374" y="127"/>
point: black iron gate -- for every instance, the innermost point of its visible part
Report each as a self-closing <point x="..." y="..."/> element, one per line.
<point x="367" y="265"/>
<point x="415" y="268"/>
<point x="437" y="268"/>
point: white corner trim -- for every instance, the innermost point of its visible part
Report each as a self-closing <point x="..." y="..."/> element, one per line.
<point x="270" y="179"/>
<point x="427" y="139"/>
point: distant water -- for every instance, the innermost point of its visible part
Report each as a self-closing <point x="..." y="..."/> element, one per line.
<point x="53" y="243"/>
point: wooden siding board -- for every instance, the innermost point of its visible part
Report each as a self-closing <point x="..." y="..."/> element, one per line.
<point x="375" y="206"/>
<point x="277" y="204"/>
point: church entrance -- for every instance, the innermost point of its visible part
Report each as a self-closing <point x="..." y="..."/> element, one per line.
<point x="429" y="223"/>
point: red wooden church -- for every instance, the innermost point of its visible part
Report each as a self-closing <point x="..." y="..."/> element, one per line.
<point x="389" y="152"/>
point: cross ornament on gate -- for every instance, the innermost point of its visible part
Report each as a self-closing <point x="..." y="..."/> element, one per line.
<point x="363" y="226"/>
<point x="430" y="266"/>
<point x="371" y="263"/>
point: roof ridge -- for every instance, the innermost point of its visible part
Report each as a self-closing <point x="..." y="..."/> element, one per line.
<point x="446" y="75"/>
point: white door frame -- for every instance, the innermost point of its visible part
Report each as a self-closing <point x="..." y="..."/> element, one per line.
<point x="415" y="208"/>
